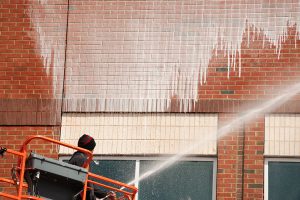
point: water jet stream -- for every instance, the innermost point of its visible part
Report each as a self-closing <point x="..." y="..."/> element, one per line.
<point x="248" y="116"/>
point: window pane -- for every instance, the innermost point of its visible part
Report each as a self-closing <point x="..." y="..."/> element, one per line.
<point x="120" y="170"/>
<point x="284" y="180"/>
<point x="184" y="180"/>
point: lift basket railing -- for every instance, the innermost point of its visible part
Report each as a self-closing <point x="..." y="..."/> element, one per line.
<point x="48" y="178"/>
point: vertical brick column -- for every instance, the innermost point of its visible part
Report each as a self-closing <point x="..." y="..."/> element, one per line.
<point x="254" y="159"/>
<point x="230" y="162"/>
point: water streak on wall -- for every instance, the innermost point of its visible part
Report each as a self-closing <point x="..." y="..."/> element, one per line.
<point x="48" y="21"/>
<point x="137" y="56"/>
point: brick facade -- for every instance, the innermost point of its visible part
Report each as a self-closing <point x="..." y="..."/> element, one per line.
<point x="230" y="161"/>
<point x="254" y="159"/>
<point x="149" y="56"/>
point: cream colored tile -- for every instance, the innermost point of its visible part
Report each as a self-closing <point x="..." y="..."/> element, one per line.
<point x="148" y="132"/>
<point x="297" y="121"/>
<point x="163" y="121"/>
<point x="272" y="133"/>
<point x="297" y="148"/>
<point x="138" y="148"/>
<point x="152" y="131"/>
<point x="113" y="132"/>
<point x="122" y="135"/>
<point x="73" y="120"/>
<point x="267" y="121"/>
<point x="107" y="132"/>
<point x="297" y="134"/>
<point x="63" y="133"/>
<point x="96" y="131"/>
<point x="172" y="120"/>
<point x="64" y="120"/>
<point x="282" y="122"/>
<point x="277" y="148"/>
<point x="281" y="147"/>
<point x="186" y="120"/>
<point x="182" y="131"/>
<point x="292" y="131"/>
<point x="202" y="122"/>
<point x="292" y="148"/>
<point x="267" y="147"/>
<point x="273" y="147"/>
<point x="276" y="134"/>
<point x="155" y="146"/>
<point x="178" y="120"/>
<point x="128" y="147"/>
<point x="276" y="121"/>
<point x="176" y="146"/>
<point x="129" y="133"/>
<point x="267" y="133"/>
<point x="134" y="133"/>
<point x="118" y="146"/>
<point x="282" y="133"/>
<point x="286" y="148"/>
<point x="287" y="134"/>
<point x="207" y="121"/>
<point x="101" y="132"/>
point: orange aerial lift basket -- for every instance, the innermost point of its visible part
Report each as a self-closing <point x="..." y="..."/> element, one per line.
<point x="47" y="178"/>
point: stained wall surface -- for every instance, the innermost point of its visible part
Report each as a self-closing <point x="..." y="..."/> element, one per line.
<point x="32" y="54"/>
<point x="152" y="56"/>
<point x="157" y="56"/>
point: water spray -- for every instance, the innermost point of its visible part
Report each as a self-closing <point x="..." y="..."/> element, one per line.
<point x="248" y="116"/>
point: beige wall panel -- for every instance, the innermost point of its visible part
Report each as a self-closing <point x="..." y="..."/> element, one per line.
<point x="136" y="134"/>
<point x="282" y="135"/>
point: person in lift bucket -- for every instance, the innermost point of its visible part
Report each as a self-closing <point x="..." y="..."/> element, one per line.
<point x="78" y="159"/>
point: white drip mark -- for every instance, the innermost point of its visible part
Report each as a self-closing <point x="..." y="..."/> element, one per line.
<point x="192" y="39"/>
<point x="296" y="37"/>
<point x="51" y="49"/>
<point x="240" y="62"/>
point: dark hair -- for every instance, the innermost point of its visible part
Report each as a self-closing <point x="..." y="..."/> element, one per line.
<point x="86" y="142"/>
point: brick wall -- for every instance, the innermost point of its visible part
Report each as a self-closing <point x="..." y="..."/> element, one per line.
<point x="140" y="56"/>
<point x="28" y="64"/>
<point x="31" y="72"/>
<point x="241" y="159"/>
<point x="262" y="73"/>
<point x="230" y="161"/>
<point x="32" y="44"/>
<point x="254" y="159"/>
<point x="153" y="56"/>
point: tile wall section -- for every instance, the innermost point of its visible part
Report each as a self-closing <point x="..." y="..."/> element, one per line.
<point x="132" y="133"/>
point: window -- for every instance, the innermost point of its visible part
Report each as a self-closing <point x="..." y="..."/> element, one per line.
<point x="187" y="179"/>
<point x="282" y="179"/>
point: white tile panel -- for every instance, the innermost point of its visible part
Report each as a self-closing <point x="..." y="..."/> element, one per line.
<point x="146" y="134"/>
<point x="282" y="135"/>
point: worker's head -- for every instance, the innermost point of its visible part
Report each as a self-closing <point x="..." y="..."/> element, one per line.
<point x="86" y="142"/>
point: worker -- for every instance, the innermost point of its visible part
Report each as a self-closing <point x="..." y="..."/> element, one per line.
<point x="79" y="158"/>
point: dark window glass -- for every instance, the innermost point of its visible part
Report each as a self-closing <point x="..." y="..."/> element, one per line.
<point x="183" y="181"/>
<point x="120" y="170"/>
<point x="284" y="180"/>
